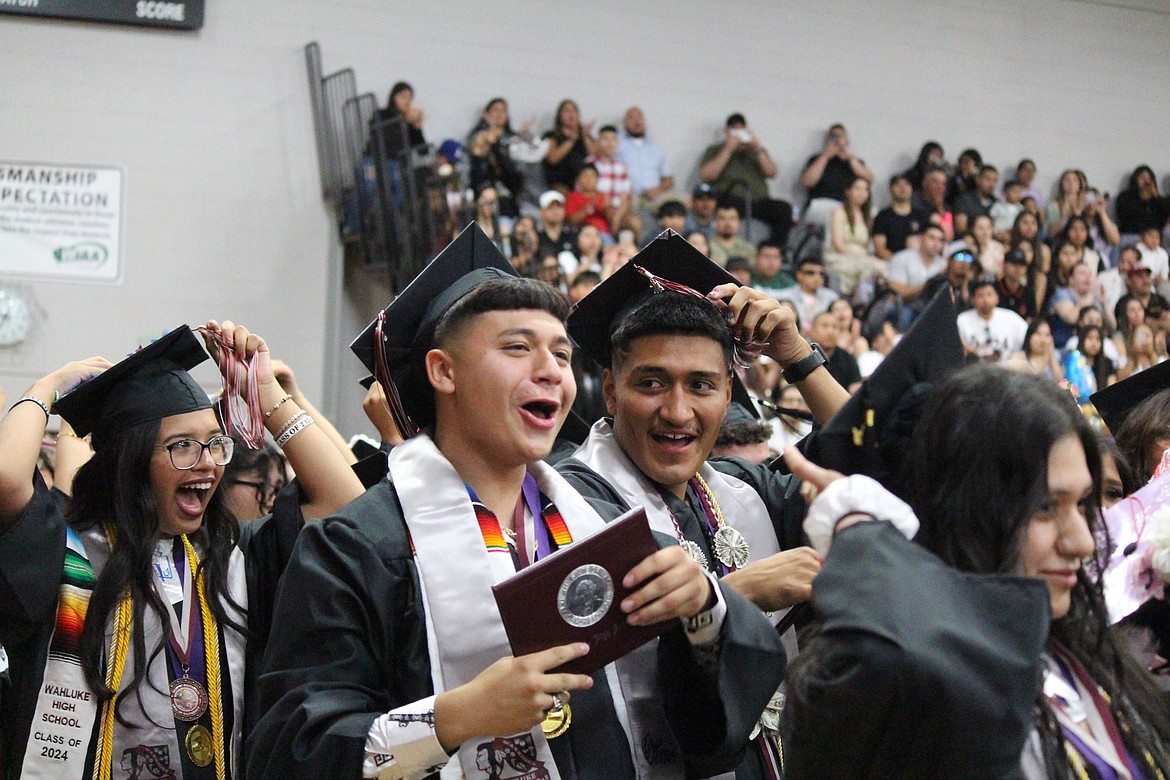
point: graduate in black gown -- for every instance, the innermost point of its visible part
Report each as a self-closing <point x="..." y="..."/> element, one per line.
<point x="982" y="649"/>
<point x="144" y="514"/>
<point x="387" y="656"/>
<point x="668" y="381"/>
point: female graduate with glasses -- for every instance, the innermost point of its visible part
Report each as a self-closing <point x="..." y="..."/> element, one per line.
<point x="123" y="607"/>
<point x="983" y="649"/>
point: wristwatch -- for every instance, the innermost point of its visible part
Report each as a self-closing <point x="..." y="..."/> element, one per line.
<point x="800" y="370"/>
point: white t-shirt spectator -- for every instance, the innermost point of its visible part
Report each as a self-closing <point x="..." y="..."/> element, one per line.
<point x="1157" y="260"/>
<point x="1001" y="335"/>
<point x="906" y="268"/>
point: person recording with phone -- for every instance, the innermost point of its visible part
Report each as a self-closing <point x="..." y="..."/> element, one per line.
<point x="828" y="174"/>
<point x="738" y="170"/>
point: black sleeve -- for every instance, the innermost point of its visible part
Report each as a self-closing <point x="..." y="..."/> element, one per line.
<point x="350" y="646"/>
<point x="267" y="546"/>
<point x="881" y="223"/>
<point x="31" y="552"/>
<point x="713" y="716"/>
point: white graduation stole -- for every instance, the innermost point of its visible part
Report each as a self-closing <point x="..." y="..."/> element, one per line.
<point x="465" y="633"/>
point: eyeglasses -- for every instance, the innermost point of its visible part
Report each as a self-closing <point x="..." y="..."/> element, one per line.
<point x="186" y="453"/>
<point x="265" y="493"/>
<point x="963" y="257"/>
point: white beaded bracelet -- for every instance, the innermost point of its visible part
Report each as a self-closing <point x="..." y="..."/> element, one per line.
<point x="303" y="423"/>
<point x="290" y="422"/>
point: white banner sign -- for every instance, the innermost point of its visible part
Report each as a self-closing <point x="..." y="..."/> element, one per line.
<point x="61" y="221"/>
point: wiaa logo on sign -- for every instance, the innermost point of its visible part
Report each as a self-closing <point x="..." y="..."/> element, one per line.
<point x="86" y="252"/>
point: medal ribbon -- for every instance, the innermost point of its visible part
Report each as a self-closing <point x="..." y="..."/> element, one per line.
<point x="545" y="534"/>
<point x="713" y="518"/>
<point x="239" y="403"/>
<point x="1071" y="668"/>
<point x="188" y="632"/>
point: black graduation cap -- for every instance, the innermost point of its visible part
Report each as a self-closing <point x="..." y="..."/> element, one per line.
<point x="410" y="320"/>
<point x="868" y="435"/>
<point x="669" y="256"/>
<point x="1114" y="403"/>
<point x="150" y="384"/>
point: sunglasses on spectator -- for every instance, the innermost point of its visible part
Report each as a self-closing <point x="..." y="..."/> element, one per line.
<point x="963" y="257"/>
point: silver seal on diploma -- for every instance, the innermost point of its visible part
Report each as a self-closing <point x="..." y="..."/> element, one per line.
<point x="585" y="595"/>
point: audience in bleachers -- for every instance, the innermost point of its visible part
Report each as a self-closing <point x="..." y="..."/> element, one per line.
<point x="606" y="193"/>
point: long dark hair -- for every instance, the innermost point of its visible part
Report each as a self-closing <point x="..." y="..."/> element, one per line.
<point x="1137" y="172"/>
<point x="1099" y="364"/>
<point x="980" y="474"/>
<point x="401" y="86"/>
<point x="1140" y="432"/>
<point x="114" y="486"/>
<point x="1033" y="326"/>
<point x="558" y="129"/>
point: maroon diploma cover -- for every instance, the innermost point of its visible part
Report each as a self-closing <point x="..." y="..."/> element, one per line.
<point x="575" y="595"/>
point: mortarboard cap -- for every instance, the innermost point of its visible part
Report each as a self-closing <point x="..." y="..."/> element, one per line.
<point x="1115" y="402"/>
<point x="150" y="384"/>
<point x="411" y="318"/>
<point x="669" y="256"/>
<point x="869" y="433"/>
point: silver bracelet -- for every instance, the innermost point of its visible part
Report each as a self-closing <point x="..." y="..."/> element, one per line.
<point x="33" y="399"/>
<point x="303" y="423"/>
<point x="291" y="421"/>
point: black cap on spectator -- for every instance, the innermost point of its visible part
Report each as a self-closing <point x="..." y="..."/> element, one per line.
<point x="1016" y="256"/>
<point x="869" y="433"/>
<point x="1115" y="402"/>
<point x="669" y="256"/>
<point x="410" y="320"/>
<point x="150" y="384"/>
<point x="704" y="190"/>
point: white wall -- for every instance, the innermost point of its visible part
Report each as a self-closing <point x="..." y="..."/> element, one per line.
<point x="224" y="216"/>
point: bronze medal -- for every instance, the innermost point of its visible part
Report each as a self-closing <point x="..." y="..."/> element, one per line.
<point x="199" y="748"/>
<point x="556" y="722"/>
<point x="188" y="699"/>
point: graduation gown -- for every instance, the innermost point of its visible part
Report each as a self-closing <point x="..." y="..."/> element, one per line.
<point x="350" y="643"/>
<point x="920" y="671"/>
<point x="32" y="553"/>
<point x="779" y="492"/>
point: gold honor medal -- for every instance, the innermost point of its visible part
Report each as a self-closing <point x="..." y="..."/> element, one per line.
<point x="199" y="745"/>
<point x="557" y="721"/>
